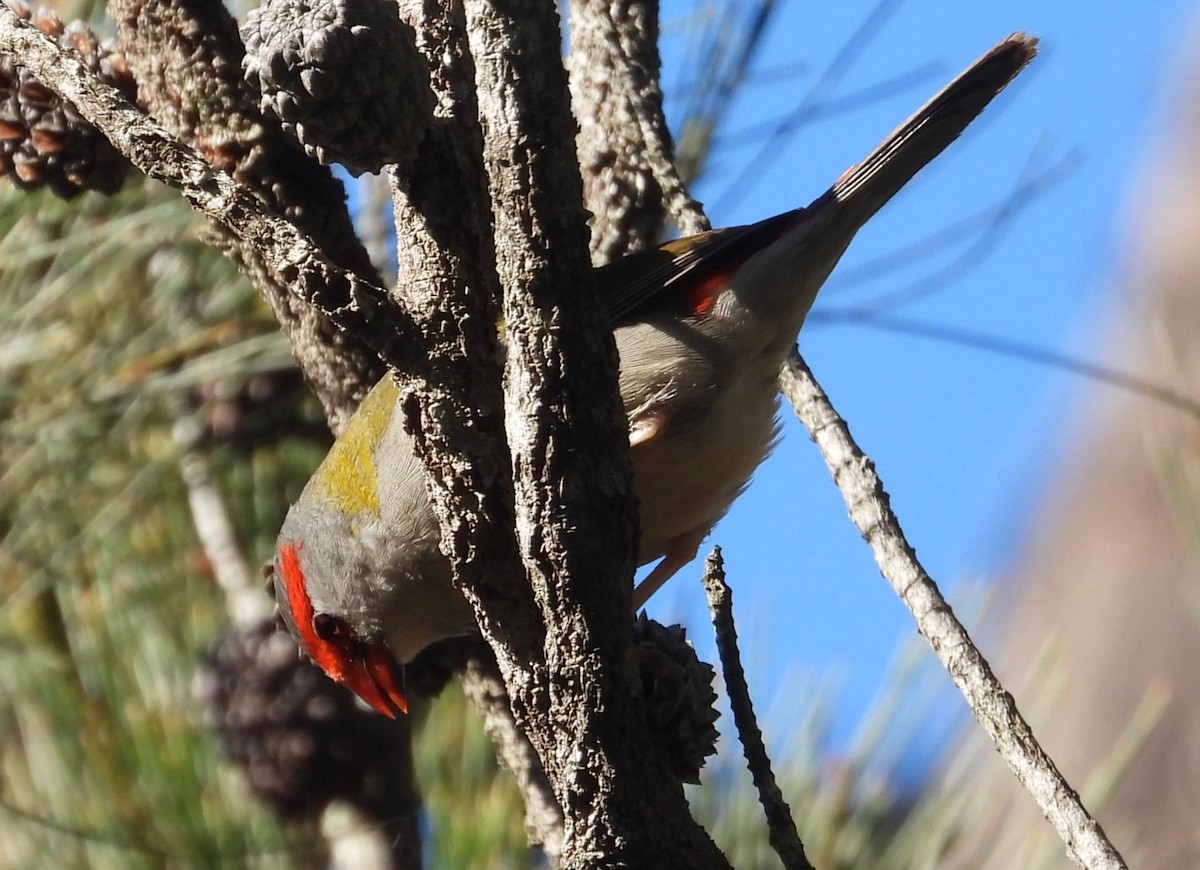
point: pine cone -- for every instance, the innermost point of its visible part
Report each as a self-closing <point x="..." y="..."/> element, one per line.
<point x="343" y="76"/>
<point x="678" y="689"/>
<point x="45" y="142"/>
<point x="301" y="739"/>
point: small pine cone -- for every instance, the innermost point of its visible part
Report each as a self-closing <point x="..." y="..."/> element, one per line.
<point x="301" y="739"/>
<point x="343" y="76"/>
<point x="678" y="689"/>
<point x="45" y="142"/>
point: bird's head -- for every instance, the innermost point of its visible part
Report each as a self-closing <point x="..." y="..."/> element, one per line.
<point x="348" y="647"/>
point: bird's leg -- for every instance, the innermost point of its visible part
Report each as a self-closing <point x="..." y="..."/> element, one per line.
<point x="680" y="551"/>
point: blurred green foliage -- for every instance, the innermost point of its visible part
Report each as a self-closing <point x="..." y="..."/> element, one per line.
<point x="104" y="601"/>
<point x="112" y="314"/>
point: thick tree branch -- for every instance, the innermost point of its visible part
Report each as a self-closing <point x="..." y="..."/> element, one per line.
<point x="625" y="151"/>
<point x="613" y="67"/>
<point x="455" y="408"/>
<point x="995" y="709"/>
<point x="187" y="58"/>
<point x="567" y="436"/>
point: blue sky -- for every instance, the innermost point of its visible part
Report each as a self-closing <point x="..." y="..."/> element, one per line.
<point x="965" y="440"/>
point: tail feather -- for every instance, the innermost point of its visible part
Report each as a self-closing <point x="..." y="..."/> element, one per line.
<point x="934" y="126"/>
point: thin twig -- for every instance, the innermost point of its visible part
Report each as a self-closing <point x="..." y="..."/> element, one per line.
<point x="782" y="833"/>
<point x="995" y="709"/>
<point x="484" y="688"/>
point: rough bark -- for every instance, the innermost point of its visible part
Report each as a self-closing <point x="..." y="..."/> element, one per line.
<point x="186" y="56"/>
<point x="630" y="182"/>
<point x="454" y="406"/>
<point x="566" y="431"/>
<point x="352" y="303"/>
<point x="544" y="821"/>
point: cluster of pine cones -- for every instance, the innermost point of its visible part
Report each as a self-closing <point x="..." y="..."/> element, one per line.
<point x="45" y="142"/>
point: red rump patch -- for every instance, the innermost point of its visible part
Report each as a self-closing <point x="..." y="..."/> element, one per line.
<point x="702" y="294"/>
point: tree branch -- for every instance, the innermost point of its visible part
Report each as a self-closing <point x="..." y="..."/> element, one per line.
<point x="454" y="408"/>
<point x="993" y="707"/>
<point x="567" y="435"/>
<point x="484" y="688"/>
<point x="784" y="837"/>
<point x="625" y="151"/>
<point x="187" y="58"/>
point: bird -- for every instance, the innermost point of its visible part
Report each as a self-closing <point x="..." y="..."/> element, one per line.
<point x="702" y="326"/>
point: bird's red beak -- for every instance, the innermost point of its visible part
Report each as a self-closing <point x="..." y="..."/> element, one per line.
<point x="367" y="669"/>
<point x="371" y="674"/>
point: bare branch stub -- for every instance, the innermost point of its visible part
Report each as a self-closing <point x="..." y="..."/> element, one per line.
<point x="784" y="837"/>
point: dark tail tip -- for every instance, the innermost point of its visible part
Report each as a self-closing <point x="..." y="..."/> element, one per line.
<point x="936" y="124"/>
<point x="1008" y="57"/>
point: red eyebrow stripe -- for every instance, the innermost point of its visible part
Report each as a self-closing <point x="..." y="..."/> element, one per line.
<point x="300" y="604"/>
<point x="370" y="676"/>
<point x="293" y="579"/>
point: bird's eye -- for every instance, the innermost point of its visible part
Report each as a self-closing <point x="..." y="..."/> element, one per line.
<point x="329" y="628"/>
